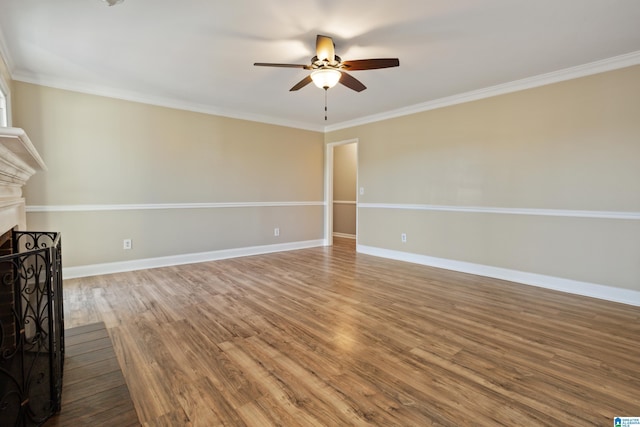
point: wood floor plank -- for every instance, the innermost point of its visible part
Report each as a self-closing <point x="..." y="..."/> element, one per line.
<point x="77" y="374"/>
<point x="94" y="390"/>
<point x="83" y="330"/>
<point x="326" y="336"/>
<point x="78" y="360"/>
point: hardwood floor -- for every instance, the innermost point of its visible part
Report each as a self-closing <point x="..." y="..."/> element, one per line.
<point x="325" y="336"/>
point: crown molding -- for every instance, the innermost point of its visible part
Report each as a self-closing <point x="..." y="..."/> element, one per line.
<point x="609" y="64"/>
<point x="601" y="66"/>
<point x="159" y="101"/>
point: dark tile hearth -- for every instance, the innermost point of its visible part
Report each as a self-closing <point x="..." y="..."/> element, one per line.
<point x="94" y="392"/>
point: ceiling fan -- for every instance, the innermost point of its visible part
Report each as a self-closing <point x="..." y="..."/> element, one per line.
<point x="329" y="69"/>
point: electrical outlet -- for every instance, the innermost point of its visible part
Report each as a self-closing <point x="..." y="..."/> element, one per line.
<point x="126" y="244"/>
<point x="362" y="191"/>
<point x="403" y="237"/>
<point x="276" y="232"/>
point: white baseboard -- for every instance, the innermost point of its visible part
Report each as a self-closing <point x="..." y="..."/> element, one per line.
<point x="609" y="293"/>
<point x="142" y="264"/>
<point x="345" y="236"/>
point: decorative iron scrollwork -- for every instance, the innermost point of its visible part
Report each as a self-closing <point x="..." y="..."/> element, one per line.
<point x="31" y="329"/>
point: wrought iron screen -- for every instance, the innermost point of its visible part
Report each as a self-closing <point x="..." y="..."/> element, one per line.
<point x="31" y="328"/>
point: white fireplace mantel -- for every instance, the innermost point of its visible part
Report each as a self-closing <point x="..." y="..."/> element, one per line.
<point x="19" y="160"/>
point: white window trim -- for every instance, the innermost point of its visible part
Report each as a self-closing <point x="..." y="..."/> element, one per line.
<point x="4" y="88"/>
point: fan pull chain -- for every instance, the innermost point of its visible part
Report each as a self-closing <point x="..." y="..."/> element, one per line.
<point x="325" y="103"/>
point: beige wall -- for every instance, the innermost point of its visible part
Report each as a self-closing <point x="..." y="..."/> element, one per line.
<point x="344" y="188"/>
<point x="568" y="146"/>
<point x="103" y="151"/>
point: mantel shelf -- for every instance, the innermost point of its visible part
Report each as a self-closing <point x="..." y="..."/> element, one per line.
<point x="16" y="141"/>
<point x="19" y="160"/>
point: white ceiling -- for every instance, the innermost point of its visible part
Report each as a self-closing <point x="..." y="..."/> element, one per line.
<point x="199" y="54"/>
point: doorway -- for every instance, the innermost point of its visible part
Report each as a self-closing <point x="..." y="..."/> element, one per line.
<point x="341" y="194"/>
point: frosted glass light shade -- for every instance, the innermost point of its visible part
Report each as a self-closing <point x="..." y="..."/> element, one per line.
<point x="325" y="78"/>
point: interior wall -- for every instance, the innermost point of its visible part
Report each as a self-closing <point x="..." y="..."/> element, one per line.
<point x="544" y="180"/>
<point x="344" y="189"/>
<point x="175" y="182"/>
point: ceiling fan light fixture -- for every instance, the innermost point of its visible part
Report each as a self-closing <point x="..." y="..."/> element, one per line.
<point x="326" y="78"/>
<point x="113" y="2"/>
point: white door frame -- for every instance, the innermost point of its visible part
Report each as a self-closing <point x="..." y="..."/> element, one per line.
<point x="328" y="189"/>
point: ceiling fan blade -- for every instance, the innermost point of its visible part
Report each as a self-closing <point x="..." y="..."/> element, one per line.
<point x="268" y="64"/>
<point x="325" y="49"/>
<point x="370" y="64"/>
<point x="351" y="82"/>
<point x="302" y="83"/>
